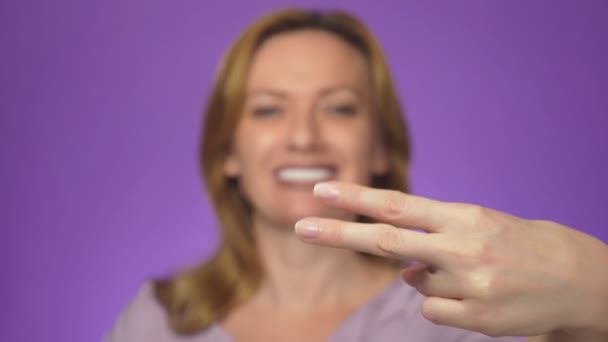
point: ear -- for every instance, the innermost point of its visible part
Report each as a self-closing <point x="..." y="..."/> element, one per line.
<point x="379" y="160"/>
<point x="232" y="167"/>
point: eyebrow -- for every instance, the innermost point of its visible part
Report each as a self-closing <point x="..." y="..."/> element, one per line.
<point x="323" y="92"/>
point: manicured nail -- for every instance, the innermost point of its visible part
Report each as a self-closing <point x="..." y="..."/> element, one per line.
<point x="308" y="229"/>
<point x="326" y="191"/>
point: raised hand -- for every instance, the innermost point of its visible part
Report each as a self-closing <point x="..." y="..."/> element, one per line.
<point x="480" y="269"/>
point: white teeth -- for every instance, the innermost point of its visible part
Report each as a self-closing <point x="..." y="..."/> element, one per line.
<point x="301" y="174"/>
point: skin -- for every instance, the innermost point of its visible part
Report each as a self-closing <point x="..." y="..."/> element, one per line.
<point x="480" y="269"/>
<point x="308" y="104"/>
<point x="506" y="275"/>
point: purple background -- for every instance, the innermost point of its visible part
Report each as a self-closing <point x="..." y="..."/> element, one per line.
<point x="100" y="111"/>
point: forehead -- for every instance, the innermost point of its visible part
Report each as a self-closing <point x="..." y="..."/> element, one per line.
<point x="305" y="61"/>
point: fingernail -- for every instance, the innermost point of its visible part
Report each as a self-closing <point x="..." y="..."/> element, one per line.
<point x="308" y="229"/>
<point x="326" y="191"/>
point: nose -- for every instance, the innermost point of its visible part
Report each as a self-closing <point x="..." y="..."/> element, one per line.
<point x="304" y="131"/>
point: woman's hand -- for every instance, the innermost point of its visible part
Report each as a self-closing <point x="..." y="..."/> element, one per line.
<point x="480" y="269"/>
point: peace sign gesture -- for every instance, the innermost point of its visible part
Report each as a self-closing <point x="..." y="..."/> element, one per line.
<point x="480" y="269"/>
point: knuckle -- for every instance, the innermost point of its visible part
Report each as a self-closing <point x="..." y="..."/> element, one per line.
<point x="475" y="214"/>
<point x="389" y="240"/>
<point x="394" y="205"/>
<point x="478" y="217"/>
<point x="476" y="256"/>
<point x="483" y="253"/>
<point x="458" y="206"/>
<point x="467" y="214"/>
<point x="334" y="232"/>
<point x="487" y="254"/>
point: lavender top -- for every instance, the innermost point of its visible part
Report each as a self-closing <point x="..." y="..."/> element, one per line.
<point x="393" y="315"/>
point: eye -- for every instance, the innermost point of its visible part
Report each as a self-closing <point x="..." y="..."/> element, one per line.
<point x="343" y="110"/>
<point x="266" y="111"/>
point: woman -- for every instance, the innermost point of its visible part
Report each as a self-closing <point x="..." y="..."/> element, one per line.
<point x="301" y="97"/>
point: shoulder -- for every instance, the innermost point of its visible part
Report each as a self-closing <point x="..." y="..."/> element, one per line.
<point x="144" y="319"/>
<point x="395" y="316"/>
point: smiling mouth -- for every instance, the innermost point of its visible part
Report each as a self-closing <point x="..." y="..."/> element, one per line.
<point x="305" y="174"/>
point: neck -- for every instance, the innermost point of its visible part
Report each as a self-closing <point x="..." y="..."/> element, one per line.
<point x="299" y="276"/>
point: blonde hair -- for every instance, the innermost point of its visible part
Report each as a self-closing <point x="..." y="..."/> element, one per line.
<point x="201" y="296"/>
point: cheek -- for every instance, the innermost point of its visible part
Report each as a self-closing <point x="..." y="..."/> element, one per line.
<point x="353" y="138"/>
<point x="254" y="147"/>
<point x="356" y="147"/>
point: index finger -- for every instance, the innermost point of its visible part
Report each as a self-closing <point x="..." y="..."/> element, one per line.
<point x="390" y="206"/>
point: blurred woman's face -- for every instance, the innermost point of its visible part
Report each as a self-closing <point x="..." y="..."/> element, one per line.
<point x="307" y="118"/>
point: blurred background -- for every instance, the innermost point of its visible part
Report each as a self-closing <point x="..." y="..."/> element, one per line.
<point x="100" y="105"/>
